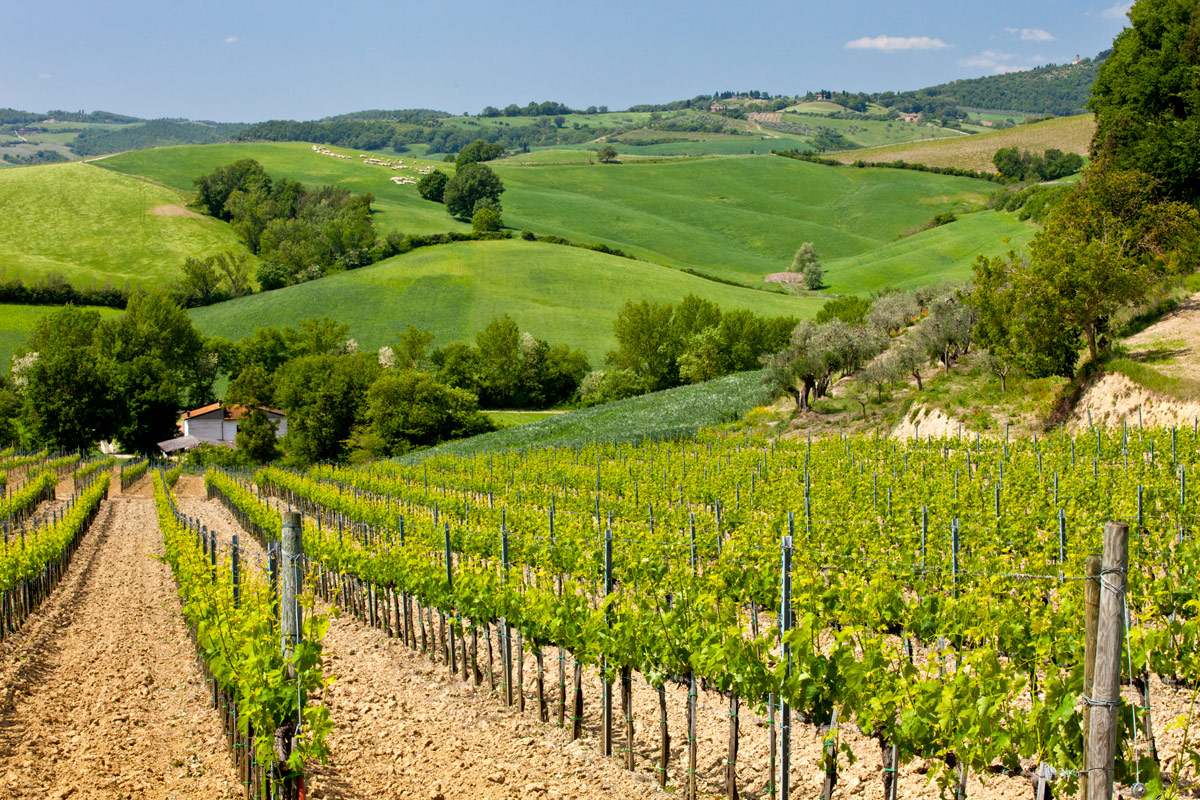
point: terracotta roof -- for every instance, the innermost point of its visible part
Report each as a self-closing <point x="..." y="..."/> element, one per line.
<point x="231" y="412"/>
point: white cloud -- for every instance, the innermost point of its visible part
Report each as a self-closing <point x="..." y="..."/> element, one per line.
<point x="988" y="58"/>
<point x="1001" y="69"/>
<point x="1116" y="12"/>
<point x="1035" y="35"/>
<point x="44" y="76"/>
<point x="890" y="44"/>
<point x="230" y="39"/>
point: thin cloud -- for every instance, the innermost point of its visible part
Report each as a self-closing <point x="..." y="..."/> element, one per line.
<point x="1116" y="12"/>
<point x="230" y="39"/>
<point x="988" y="59"/>
<point x="1035" y="35"/>
<point x="891" y="44"/>
<point x="44" y="76"/>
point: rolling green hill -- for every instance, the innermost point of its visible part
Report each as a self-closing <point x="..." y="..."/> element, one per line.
<point x="396" y="208"/>
<point x="96" y="226"/>
<point x="736" y="218"/>
<point x="945" y="252"/>
<point x="562" y="294"/>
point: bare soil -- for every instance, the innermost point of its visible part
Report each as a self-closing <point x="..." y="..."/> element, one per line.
<point x="174" y="211"/>
<point x="102" y="693"/>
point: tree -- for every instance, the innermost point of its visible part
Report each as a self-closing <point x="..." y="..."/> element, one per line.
<point x="1147" y="100"/>
<point x="486" y="220"/>
<point x="703" y="358"/>
<point x="199" y="282"/>
<point x="68" y="397"/>
<point x="412" y="348"/>
<point x="647" y="343"/>
<point x="499" y="346"/>
<point x="848" y="308"/>
<point x="477" y="151"/>
<point x="409" y="410"/>
<point x="323" y="397"/>
<point x="808" y="263"/>
<point x="433" y="186"/>
<point x="214" y="189"/>
<point x="470" y="184"/>
<point x="256" y="437"/>
<point x="1102" y="248"/>
<point x="606" y="153"/>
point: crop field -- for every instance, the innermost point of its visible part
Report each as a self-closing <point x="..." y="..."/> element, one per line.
<point x="96" y="226"/>
<point x="869" y="132"/>
<point x="1069" y="134"/>
<point x="561" y="294"/>
<point x="737" y="218"/>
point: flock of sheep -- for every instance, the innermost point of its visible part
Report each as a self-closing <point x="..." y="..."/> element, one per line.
<point x="399" y="180"/>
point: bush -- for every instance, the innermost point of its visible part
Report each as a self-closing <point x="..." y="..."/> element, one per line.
<point x="485" y="220"/>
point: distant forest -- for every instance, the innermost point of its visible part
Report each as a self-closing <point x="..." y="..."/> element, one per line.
<point x="155" y="133"/>
<point x="1058" y="90"/>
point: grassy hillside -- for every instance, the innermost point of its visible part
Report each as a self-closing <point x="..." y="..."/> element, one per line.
<point x="96" y="226"/>
<point x="562" y="294"/>
<point x="661" y="415"/>
<point x="16" y="322"/>
<point x="1069" y="134"/>
<point x="738" y="218"/>
<point x="397" y="208"/>
<point x="943" y="253"/>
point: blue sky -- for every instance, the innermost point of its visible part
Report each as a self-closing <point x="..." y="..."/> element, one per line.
<point x="248" y="61"/>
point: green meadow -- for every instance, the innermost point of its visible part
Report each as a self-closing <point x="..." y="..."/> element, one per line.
<point x="96" y="226"/>
<point x="944" y="253"/>
<point x="735" y="218"/>
<point x="561" y="294"/>
<point x="396" y="208"/>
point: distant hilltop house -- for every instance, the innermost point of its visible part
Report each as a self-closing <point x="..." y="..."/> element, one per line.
<point x="217" y="423"/>
<point x="910" y="117"/>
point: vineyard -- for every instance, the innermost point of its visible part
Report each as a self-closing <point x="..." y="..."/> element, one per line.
<point x="935" y="591"/>
<point x="725" y="615"/>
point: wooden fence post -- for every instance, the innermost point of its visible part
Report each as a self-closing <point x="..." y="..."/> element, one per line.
<point x="1106" y="677"/>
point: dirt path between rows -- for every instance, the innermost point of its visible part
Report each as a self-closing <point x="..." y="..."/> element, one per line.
<point x="105" y="696"/>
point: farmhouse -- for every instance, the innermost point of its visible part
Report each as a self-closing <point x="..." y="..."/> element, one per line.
<point x="216" y="423"/>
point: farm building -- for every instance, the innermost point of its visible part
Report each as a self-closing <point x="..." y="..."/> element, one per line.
<point x="217" y="423"/>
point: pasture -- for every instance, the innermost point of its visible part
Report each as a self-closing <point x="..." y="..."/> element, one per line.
<point x="96" y="226"/>
<point x="561" y="294"/>
<point x="736" y="218"/>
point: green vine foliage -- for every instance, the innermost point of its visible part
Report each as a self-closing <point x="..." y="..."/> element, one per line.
<point x="241" y="645"/>
<point x="972" y="658"/>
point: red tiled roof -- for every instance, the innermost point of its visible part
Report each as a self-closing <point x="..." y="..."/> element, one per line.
<point x="231" y="412"/>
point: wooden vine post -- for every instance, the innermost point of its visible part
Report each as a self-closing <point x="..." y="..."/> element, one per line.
<point x="607" y="708"/>
<point x="290" y="624"/>
<point x="1091" y="605"/>
<point x="453" y="652"/>
<point x="1106" y="677"/>
<point x="691" y="702"/>
<point x="785" y="625"/>
<point x="506" y="632"/>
